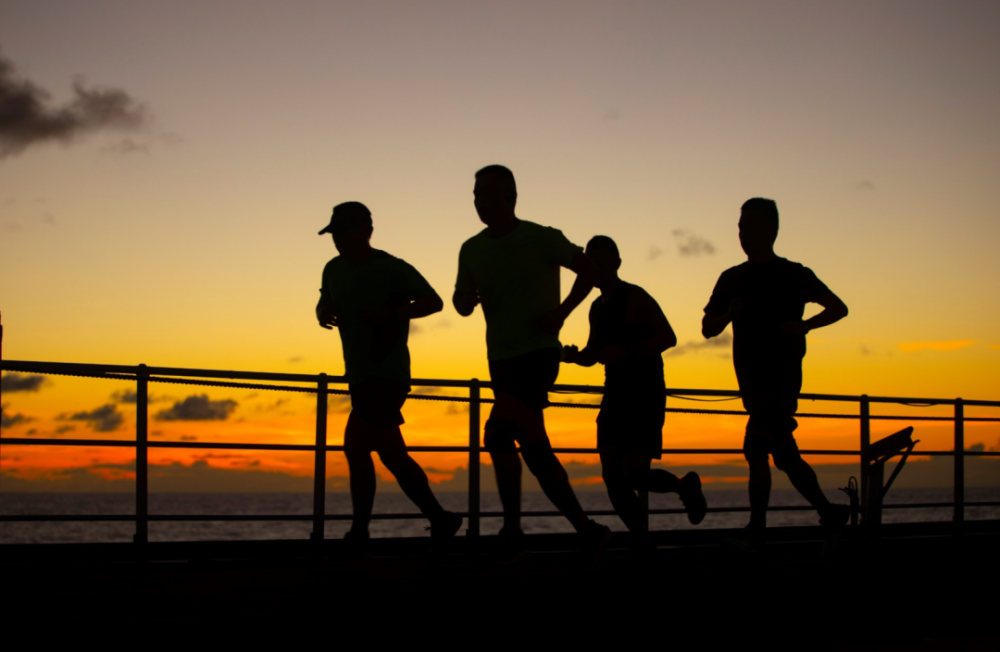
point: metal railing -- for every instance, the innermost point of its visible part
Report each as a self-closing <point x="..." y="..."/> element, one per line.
<point x="319" y="385"/>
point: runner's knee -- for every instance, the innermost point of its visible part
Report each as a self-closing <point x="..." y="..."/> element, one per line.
<point x="539" y="458"/>
<point x="500" y="436"/>
<point x="755" y="449"/>
<point x="786" y="457"/>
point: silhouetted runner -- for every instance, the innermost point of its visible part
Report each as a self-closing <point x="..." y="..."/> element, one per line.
<point x="371" y="297"/>
<point x="512" y="267"/>
<point x="765" y="299"/>
<point x="628" y="334"/>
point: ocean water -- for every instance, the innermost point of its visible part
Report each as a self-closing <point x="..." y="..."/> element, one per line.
<point x="286" y="503"/>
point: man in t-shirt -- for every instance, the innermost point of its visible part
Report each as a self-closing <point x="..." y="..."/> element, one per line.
<point x="371" y="297"/>
<point x="628" y="334"/>
<point x="512" y="267"/>
<point x="765" y="299"/>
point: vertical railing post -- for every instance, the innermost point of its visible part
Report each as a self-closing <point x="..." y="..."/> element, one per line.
<point x="866" y="442"/>
<point x="319" y="466"/>
<point x="141" y="456"/>
<point x="473" y="527"/>
<point x="959" y="497"/>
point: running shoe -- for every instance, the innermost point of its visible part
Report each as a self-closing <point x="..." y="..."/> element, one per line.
<point x="594" y="540"/>
<point x="693" y="498"/>
<point x="509" y="546"/>
<point x="357" y="545"/>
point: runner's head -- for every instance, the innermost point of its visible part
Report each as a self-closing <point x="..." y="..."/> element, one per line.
<point x="758" y="226"/>
<point x="351" y="226"/>
<point x="495" y="193"/>
<point x="602" y="250"/>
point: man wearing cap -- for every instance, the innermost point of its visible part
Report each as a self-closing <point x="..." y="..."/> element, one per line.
<point x="371" y="296"/>
<point x="512" y="267"/>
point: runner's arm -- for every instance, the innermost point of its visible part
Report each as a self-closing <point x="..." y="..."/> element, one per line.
<point x="833" y="311"/>
<point x="588" y="356"/>
<point x="648" y="312"/>
<point x="420" y="307"/>
<point x="587" y="274"/>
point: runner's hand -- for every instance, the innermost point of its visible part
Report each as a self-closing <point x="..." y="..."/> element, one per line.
<point x="466" y="301"/>
<point x="326" y="316"/>
<point x="552" y="322"/>
<point x="612" y="354"/>
<point x="570" y="353"/>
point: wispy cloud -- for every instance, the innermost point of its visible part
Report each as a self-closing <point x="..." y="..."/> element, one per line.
<point x="14" y="382"/>
<point x="864" y="186"/>
<point x="720" y="343"/>
<point x="11" y="420"/>
<point x="654" y="253"/>
<point x="909" y="347"/>
<point x="338" y="403"/>
<point x="28" y="118"/>
<point x="198" y="408"/>
<point x="125" y="147"/>
<point x="690" y="245"/>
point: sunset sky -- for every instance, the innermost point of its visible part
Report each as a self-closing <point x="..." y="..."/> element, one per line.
<point x="183" y="231"/>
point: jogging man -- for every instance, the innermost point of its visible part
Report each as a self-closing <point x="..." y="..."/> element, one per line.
<point x="371" y="297"/>
<point x="628" y="334"/>
<point x="765" y="298"/>
<point x="512" y="268"/>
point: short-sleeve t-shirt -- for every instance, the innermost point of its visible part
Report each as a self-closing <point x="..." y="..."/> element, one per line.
<point x="517" y="276"/>
<point x="775" y="291"/>
<point x="382" y="280"/>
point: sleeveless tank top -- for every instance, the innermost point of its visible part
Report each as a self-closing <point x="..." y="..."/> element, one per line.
<point x="635" y="375"/>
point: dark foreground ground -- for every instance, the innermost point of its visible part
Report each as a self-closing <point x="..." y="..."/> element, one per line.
<point x="916" y="588"/>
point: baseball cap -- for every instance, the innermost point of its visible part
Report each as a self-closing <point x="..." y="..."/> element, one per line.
<point x="348" y="214"/>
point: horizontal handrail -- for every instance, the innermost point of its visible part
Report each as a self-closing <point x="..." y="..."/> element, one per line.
<point x="336" y="448"/>
<point x="54" y="518"/>
<point x="101" y="370"/>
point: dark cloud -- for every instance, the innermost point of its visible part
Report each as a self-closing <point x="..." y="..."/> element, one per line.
<point x="14" y="382"/>
<point x="295" y="359"/>
<point x="62" y="430"/>
<point x="11" y="420"/>
<point x="106" y="418"/>
<point x="655" y="252"/>
<point x="864" y="186"/>
<point x="198" y="408"/>
<point x="689" y="244"/>
<point x="131" y="397"/>
<point x="722" y="342"/>
<point x="188" y="438"/>
<point x="28" y="117"/>
<point x="414" y="329"/>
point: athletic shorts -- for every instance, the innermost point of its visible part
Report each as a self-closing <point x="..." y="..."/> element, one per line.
<point x="632" y="423"/>
<point x="528" y="377"/>
<point x="379" y="401"/>
<point x="769" y="433"/>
